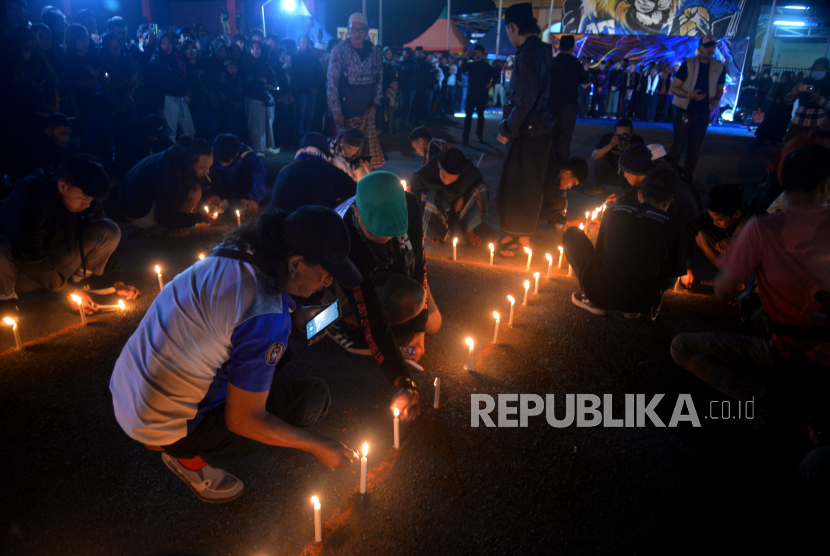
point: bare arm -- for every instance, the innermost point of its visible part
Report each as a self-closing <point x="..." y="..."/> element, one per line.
<point x="676" y="90"/>
<point x="728" y="286"/>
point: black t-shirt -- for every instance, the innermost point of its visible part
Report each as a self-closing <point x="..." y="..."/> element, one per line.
<point x="613" y="156"/>
<point x="702" y="84"/>
<point x="640" y="248"/>
<point x="311" y="182"/>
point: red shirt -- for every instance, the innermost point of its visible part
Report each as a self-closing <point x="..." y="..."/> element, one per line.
<point x="789" y="252"/>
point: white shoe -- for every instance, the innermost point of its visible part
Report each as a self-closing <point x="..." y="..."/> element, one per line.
<point x="208" y="483"/>
<point x="579" y="299"/>
<point x="272" y="151"/>
<point x="261" y="155"/>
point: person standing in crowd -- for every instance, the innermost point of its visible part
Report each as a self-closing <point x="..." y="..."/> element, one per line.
<point x="778" y="112"/>
<point x="583" y="101"/>
<point x="480" y="80"/>
<point x="355" y="86"/>
<point x="200" y="380"/>
<point x="748" y="98"/>
<point x="526" y="130"/>
<point x="498" y="84"/>
<point x="664" y="101"/>
<point x="452" y="87"/>
<point x="198" y="91"/>
<point x="566" y="77"/>
<point x="259" y="81"/>
<point x="616" y="79"/>
<point x="408" y="73"/>
<point x="390" y="73"/>
<point x="602" y="84"/>
<point x="306" y="76"/>
<point x="125" y="79"/>
<point x="651" y="92"/>
<point x="168" y="88"/>
<point x="813" y="94"/>
<point x="764" y="87"/>
<point x="697" y="88"/>
<point x="629" y="97"/>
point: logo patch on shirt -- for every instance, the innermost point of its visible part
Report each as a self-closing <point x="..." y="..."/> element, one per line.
<point x="274" y="353"/>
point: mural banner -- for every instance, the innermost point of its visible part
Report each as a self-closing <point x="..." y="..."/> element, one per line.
<point x="688" y="18"/>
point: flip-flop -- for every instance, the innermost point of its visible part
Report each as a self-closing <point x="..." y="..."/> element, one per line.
<point x="473" y="240"/>
<point x="432" y="241"/>
<point x="512" y="247"/>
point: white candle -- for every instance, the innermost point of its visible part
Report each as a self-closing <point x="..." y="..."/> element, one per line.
<point x="238" y="219"/>
<point x="594" y="215"/>
<point x="437" y="385"/>
<point x="403" y="184"/>
<point x="161" y="282"/>
<point x="550" y="263"/>
<point x="587" y="215"/>
<point x="570" y="270"/>
<point x="512" y="303"/>
<point x="397" y="423"/>
<point x="492" y="252"/>
<point x="527" y="287"/>
<point x="496" y="333"/>
<point x="77" y="300"/>
<point x="119" y="307"/>
<point x="561" y="254"/>
<point x="364" y="464"/>
<point x="470" y="357"/>
<point x="536" y="287"/>
<point x="529" y="257"/>
<point x="581" y="226"/>
<point x="454" y="246"/>
<point x="318" y="519"/>
<point x="677" y="284"/>
<point x="11" y="322"/>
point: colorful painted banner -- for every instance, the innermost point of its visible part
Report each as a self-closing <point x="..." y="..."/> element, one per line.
<point x="687" y="18"/>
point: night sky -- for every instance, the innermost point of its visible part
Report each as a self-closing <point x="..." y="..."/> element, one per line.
<point x="403" y="20"/>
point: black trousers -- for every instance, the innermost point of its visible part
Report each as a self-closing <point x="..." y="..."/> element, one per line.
<point x="563" y="130"/>
<point x="689" y="132"/>
<point x="522" y="184"/>
<point x="300" y="402"/>
<point x="477" y="104"/>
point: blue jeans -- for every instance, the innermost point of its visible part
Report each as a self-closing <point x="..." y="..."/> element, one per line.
<point x="305" y="112"/>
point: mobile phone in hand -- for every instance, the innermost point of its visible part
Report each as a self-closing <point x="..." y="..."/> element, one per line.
<point x="322" y="320"/>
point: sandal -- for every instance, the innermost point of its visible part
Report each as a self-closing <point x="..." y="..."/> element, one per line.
<point x="432" y="241"/>
<point x="473" y="240"/>
<point x="511" y="247"/>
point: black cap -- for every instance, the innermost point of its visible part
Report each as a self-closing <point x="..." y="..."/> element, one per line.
<point x="519" y="14"/>
<point x="479" y="47"/>
<point x="321" y="235"/>
<point x="452" y="161"/>
<point x="636" y="160"/>
<point x="318" y="140"/>
<point x="566" y="42"/>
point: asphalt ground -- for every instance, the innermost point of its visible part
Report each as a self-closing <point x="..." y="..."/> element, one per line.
<point x="74" y="483"/>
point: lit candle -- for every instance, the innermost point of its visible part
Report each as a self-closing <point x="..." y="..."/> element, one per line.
<point x="161" y="282"/>
<point x="364" y="464"/>
<point x="561" y="253"/>
<point x="550" y="263"/>
<point x="11" y="322"/>
<point x="77" y="300"/>
<point x="536" y="287"/>
<point x="677" y="285"/>
<point x="454" y="246"/>
<point x="529" y="257"/>
<point x="570" y="270"/>
<point x="201" y="256"/>
<point x="581" y="226"/>
<point x="318" y="519"/>
<point x="496" y="333"/>
<point x="470" y="343"/>
<point x="238" y="219"/>
<point x="119" y="307"/>
<point x="527" y="287"/>
<point x="207" y="210"/>
<point x="587" y="214"/>
<point x="603" y="210"/>
<point x="403" y="184"/>
<point x="216" y="215"/>
<point x="512" y="304"/>
<point x="437" y="385"/>
<point x="593" y="215"/>
<point x="397" y="423"/>
<point x="492" y="252"/>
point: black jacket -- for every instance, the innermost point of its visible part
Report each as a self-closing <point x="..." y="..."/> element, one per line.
<point x="253" y="70"/>
<point x="306" y="73"/>
<point x="565" y="77"/>
<point x="40" y="227"/>
<point x="165" y="78"/>
<point x="311" y="181"/>
<point x="527" y="110"/>
<point x="480" y="74"/>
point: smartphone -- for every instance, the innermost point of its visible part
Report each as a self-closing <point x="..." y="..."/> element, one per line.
<point x="154" y="28"/>
<point x="322" y="320"/>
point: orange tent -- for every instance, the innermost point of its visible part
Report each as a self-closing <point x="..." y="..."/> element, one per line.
<point x="435" y="38"/>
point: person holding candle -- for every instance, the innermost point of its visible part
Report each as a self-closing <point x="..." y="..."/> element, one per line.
<point x="238" y="175"/>
<point x="451" y="189"/>
<point x="394" y="298"/>
<point x="640" y="252"/>
<point x="163" y="190"/>
<point x="54" y="235"/>
<point x="199" y="379"/>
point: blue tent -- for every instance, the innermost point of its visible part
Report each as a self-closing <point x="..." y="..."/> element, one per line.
<point x="488" y="41"/>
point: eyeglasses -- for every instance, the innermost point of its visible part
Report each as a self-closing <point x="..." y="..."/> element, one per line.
<point x="709" y="44"/>
<point x="358" y="29"/>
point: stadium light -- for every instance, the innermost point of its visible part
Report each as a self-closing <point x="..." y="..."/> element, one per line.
<point x="790" y="23"/>
<point x="795" y="7"/>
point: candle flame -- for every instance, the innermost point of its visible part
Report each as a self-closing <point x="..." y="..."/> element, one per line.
<point x="495" y="314"/>
<point x="121" y="304"/>
<point x="201" y="256"/>
<point x="365" y="449"/>
<point x="527" y="284"/>
<point x="510" y="299"/>
<point x="9" y="321"/>
<point x="470" y="342"/>
<point x="492" y="248"/>
<point x="315" y="500"/>
<point x="560" y="249"/>
<point x="454" y="241"/>
<point x="158" y="269"/>
<point x="76" y="299"/>
<point x="207" y="210"/>
<point x="528" y="250"/>
<point x="536" y="275"/>
<point x="587" y="214"/>
<point x="396" y="411"/>
<point x="436" y="381"/>
<point x="581" y="226"/>
<point x="237" y="212"/>
<point x="549" y="258"/>
<point x="215" y="214"/>
<point x="403" y="184"/>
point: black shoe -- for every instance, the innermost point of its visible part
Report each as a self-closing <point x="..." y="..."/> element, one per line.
<point x="349" y="338"/>
<point x="481" y="139"/>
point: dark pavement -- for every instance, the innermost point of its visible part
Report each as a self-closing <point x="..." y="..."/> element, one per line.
<point x="74" y="483"/>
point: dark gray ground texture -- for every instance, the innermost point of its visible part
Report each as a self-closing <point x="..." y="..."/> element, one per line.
<point x="74" y="483"/>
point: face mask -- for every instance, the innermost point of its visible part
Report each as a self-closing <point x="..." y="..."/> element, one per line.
<point x="818" y="75"/>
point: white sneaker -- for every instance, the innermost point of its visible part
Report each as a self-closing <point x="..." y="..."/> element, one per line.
<point x="261" y="155"/>
<point x="579" y="299"/>
<point x="208" y="483"/>
<point x="272" y="151"/>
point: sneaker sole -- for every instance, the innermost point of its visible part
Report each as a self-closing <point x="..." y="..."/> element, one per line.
<point x="178" y="474"/>
<point x="595" y="310"/>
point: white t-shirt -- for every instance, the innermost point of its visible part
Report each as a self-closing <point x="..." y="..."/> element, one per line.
<point x="211" y="325"/>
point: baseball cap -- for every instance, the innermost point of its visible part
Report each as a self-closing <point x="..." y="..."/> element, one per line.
<point x="708" y="40"/>
<point x="636" y="160"/>
<point x="321" y="235"/>
<point x="382" y="204"/>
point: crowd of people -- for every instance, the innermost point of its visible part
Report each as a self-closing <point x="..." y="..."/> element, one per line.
<point x="199" y="379"/>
